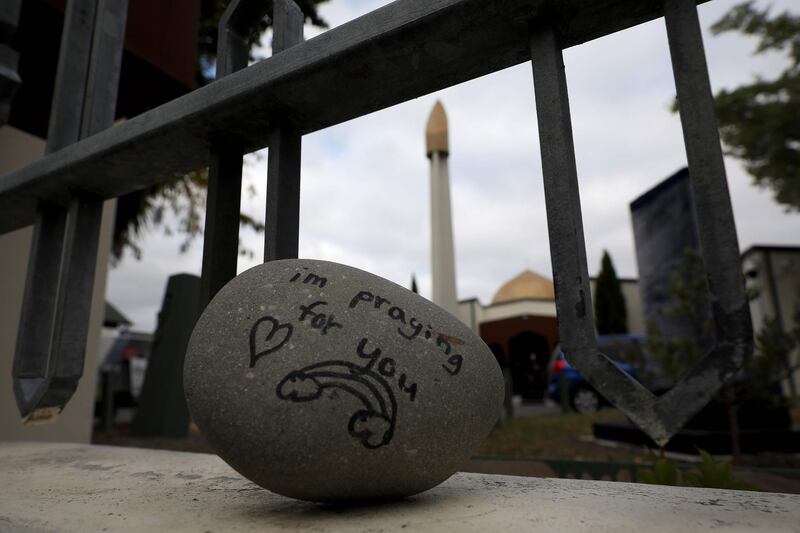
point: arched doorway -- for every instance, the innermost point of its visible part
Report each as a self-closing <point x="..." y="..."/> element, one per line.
<point x="528" y="357"/>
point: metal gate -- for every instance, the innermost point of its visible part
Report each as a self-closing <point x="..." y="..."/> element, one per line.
<point x="402" y="51"/>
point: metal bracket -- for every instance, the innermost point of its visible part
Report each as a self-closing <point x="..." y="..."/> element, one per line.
<point x="51" y="340"/>
<point x="221" y="239"/>
<point x="660" y="417"/>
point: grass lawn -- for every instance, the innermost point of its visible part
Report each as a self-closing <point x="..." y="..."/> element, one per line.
<point x="558" y="436"/>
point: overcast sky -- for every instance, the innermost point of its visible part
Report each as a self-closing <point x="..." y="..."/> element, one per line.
<point x="365" y="183"/>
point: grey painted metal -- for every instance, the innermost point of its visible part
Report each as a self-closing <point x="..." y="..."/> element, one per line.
<point x="74" y="60"/>
<point x="32" y="371"/>
<point x="223" y="201"/>
<point x="398" y="52"/>
<point x="283" y="194"/>
<point x="287" y="25"/>
<point x="61" y="273"/>
<point x="73" y="301"/>
<point x="32" y="351"/>
<point x="100" y="103"/>
<point x="281" y="238"/>
<point x="221" y="231"/>
<point x="404" y="50"/>
<point x="74" y="297"/>
<point x="718" y="241"/>
<point x="567" y="246"/>
<point x="220" y="250"/>
<point x="659" y="417"/>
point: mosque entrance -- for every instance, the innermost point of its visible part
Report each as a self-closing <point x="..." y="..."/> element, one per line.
<point x="528" y="354"/>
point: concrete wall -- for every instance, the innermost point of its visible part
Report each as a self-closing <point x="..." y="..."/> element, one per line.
<point x="472" y="313"/>
<point x="519" y="308"/>
<point x="74" y="424"/>
<point x="773" y="277"/>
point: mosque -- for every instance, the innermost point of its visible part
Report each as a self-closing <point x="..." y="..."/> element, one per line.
<point x="520" y="324"/>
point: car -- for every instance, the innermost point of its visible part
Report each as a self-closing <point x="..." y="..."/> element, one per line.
<point x="121" y="371"/>
<point x="565" y="383"/>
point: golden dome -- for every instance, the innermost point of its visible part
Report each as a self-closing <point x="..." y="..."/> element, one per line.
<point x="525" y="286"/>
<point x="436" y="130"/>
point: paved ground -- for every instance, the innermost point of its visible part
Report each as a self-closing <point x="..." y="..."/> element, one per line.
<point x="68" y="487"/>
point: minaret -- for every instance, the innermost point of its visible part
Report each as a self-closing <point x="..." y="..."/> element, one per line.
<point x="443" y="270"/>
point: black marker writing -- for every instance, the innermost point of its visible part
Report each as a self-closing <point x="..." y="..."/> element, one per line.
<point x="412" y="328"/>
<point x="373" y="423"/>
<point x="311" y="278"/>
<point x="387" y="367"/>
<point x="319" y="321"/>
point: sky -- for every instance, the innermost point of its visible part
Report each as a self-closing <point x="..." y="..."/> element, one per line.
<point x="365" y="183"/>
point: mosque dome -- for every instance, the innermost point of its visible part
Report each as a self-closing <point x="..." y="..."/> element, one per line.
<point x="525" y="286"/>
<point x="436" y="130"/>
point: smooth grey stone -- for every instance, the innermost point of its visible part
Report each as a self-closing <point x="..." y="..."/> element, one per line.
<point x="323" y="382"/>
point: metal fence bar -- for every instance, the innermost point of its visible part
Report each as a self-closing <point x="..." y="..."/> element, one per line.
<point x="32" y="350"/>
<point x="391" y="55"/>
<point x="716" y="225"/>
<point x="565" y="229"/>
<point x="282" y="218"/>
<point x="63" y="258"/>
<point x="221" y="230"/>
<point x="223" y="201"/>
<point x="31" y="368"/>
<point x="401" y="51"/>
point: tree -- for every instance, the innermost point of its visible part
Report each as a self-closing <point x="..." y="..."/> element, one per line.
<point x="759" y="122"/>
<point x="609" y="305"/>
<point x="688" y="290"/>
<point x="186" y="197"/>
<point x="210" y="13"/>
<point x="761" y="374"/>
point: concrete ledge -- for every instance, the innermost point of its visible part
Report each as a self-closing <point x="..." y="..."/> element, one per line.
<point x="67" y="487"/>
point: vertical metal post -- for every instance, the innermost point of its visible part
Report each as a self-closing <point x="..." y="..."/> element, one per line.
<point x="221" y="235"/>
<point x="31" y="368"/>
<point x="564" y="219"/>
<point x="283" y="171"/>
<point x="51" y="340"/>
<point x="223" y="203"/>
<point x="716" y="225"/>
<point x="565" y="229"/>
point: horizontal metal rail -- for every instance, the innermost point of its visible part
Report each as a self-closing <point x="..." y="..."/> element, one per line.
<point x="402" y="51"/>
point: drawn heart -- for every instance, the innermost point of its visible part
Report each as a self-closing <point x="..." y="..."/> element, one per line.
<point x="266" y="336"/>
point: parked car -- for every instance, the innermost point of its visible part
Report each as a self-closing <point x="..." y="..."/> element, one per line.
<point x="624" y="350"/>
<point x="121" y="372"/>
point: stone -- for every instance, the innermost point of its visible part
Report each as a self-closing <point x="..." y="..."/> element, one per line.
<point x="323" y="382"/>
